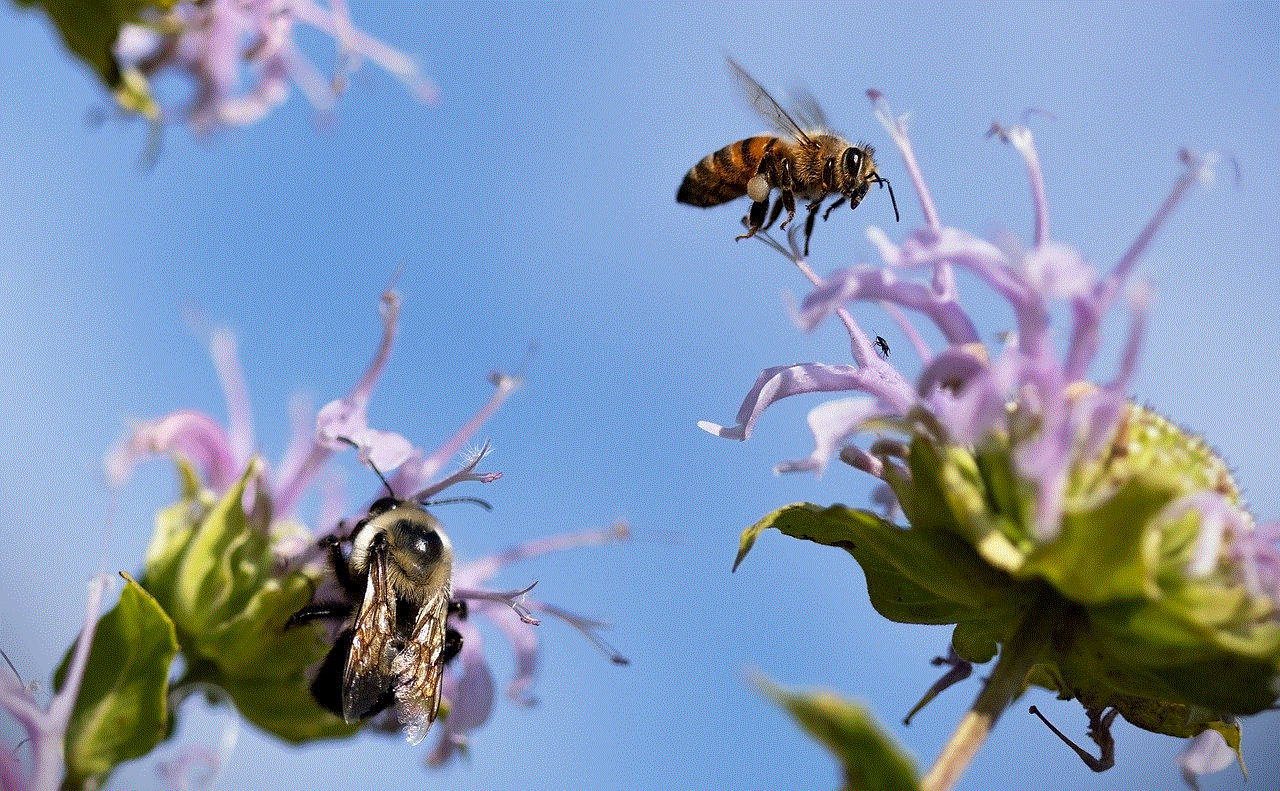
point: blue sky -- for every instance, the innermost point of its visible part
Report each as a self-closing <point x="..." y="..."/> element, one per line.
<point x="535" y="201"/>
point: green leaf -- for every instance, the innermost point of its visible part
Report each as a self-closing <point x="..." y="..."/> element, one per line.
<point x="916" y="575"/>
<point x="89" y="28"/>
<point x="284" y="708"/>
<point x="871" y="761"/>
<point x="923" y="500"/>
<point x="121" y="711"/>
<point x="174" y="528"/>
<point x="211" y="565"/>
<point x="212" y="582"/>
<point x="254" y="643"/>
<point x="1186" y="661"/>
<point x="975" y="641"/>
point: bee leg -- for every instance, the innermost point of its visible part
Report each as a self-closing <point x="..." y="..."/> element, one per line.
<point x="333" y="611"/>
<point x="808" y="225"/>
<point x="789" y="201"/>
<point x="341" y="570"/>
<point x="773" y="215"/>
<point x="754" y="220"/>
<point x="832" y="208"/>
<point x="452" y="637"/>
<point x="326" y="687"/>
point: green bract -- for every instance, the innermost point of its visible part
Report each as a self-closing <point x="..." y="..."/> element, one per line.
<point x="210" y="567"/>
<point x="121" y="711"/>
<point x="89" y="31"/>
<point x="1130" y="627"/>
<point x="870" y="759"/>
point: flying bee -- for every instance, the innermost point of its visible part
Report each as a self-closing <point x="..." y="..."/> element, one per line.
<point x="810" y="163"/>
<point x="396" y="639"/>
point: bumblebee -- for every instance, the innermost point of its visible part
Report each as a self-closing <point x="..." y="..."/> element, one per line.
<point x="396" y="639"/>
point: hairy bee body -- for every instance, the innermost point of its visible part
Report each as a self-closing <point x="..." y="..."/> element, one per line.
<point x="722" y="175"/>
<point x="396" y="639"/>
<point x="806" y="163"/>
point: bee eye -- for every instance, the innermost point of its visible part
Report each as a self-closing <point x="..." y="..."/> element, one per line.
<point x="829" y="173"/>
<point x="853" y="160"/>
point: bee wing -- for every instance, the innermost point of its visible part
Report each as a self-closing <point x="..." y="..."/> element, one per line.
<point x="419" y="668"/>
<point x="368" y="675"/>
<point x="766" y="105"/>
<point x="807" y="109"/>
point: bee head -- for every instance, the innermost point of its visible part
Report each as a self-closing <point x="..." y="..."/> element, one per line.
<point x="419" y="548"/>
<point x="411" y="538"/>
<point x="859" y="174"/>
<point x="381" y="506"/>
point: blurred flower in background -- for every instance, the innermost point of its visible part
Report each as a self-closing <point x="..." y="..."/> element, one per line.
<point x="239" y="56"/>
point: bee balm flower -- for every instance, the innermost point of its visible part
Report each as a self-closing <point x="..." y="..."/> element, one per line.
<point x="1103" y="548"/>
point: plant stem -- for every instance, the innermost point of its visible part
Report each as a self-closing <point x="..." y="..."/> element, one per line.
<point x="1006" y="682"/>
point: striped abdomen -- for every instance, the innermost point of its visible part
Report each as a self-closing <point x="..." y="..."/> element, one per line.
<point x="723" y="175"/>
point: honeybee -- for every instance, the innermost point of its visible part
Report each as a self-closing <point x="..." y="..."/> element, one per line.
<point x="810" y="164"/>
<point x="397" y="578"/>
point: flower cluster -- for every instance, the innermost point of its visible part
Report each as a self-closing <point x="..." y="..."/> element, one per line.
<point x="215" y="42"/>
<point x="231" y="561"/>
<point x="1104" y="549"/>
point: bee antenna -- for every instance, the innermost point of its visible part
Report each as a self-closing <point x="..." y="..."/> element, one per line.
<point x="448" y="500"/>
<point x="374" y="467"/>
<point x="885" y="183"/>
<point x="382" y="478"/>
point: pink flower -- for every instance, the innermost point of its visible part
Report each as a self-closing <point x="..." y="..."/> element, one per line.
<point x="47" y="728"/>
<point x="215" y="41"/>
<point x="1021" y="454"/>
<point x="221" y="454"/>
<point x="469" y="685"/>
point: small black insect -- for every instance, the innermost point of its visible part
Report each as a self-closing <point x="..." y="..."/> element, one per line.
<point x="883" y="346"/>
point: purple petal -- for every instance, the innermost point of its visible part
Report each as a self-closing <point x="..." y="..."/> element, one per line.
<point x="344" y="421"/>
<point x="356" y="42"/>
<point x="226" y="361"/>
<point x="47" y="729"/>
<point x="967" y="396"/>
<point x="1205" y="754"/>
<point x="473" y="688"/>
<point x="290" y="470"/>
<point x="191" y="435"/>
<point x="832" y="423"/>
<point x="524" y="642"/>
<point x="503" y="386"/>
<point x="1020" y="138"/>
<point x="1258" y="553"/>
<point x="775" y="384"/>
<point x="896" y="126"/>
<point x="410" y="475"/>
<point x="845" y="285"/>
<point x="470" y="695"/>
<point x="1085" y="338"/>
<point x="475" y="573"/>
